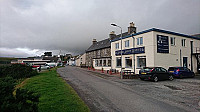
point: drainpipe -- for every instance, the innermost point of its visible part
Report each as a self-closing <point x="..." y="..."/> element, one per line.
<point x="180" y="59"/>
<point x="134" y="54"/>
<point x="191" y="43"/>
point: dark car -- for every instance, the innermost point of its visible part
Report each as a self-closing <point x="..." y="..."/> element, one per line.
<point x="181" y="72"/>
<point x="155" y="74"/>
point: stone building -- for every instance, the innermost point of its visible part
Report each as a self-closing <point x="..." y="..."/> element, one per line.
<point x="98" y="55"/>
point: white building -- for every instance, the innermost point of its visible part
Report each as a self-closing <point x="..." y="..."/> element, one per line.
<point x="71" y="62"/>
<point x="155" y="47"/>
<point x="80" y="60"/>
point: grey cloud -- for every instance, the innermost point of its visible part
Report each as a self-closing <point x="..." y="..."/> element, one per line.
<point x="70" y="25"/>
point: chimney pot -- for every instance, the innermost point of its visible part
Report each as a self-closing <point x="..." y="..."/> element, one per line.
<point x="94" y="41"/>
<point x="131" y="28"/>
<point x="112" y="35"/>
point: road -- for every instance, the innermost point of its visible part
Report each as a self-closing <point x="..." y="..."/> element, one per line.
<point x="111" y="94"/>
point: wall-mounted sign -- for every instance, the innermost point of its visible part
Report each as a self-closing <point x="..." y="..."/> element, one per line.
<point x="162" y="44"/>
<point x="130" y="51"/>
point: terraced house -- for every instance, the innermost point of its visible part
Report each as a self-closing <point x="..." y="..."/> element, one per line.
<point x="98" y="55"/>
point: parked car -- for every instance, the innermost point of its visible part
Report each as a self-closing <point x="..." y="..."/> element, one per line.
<point x="44" y="67"/>
<point x="155" y="74"/>
<point x="34" y="67"/>
<point x="181" y="72"/>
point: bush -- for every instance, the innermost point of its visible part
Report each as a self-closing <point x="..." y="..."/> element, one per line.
<point x="17" y="71"/>
<point x="23" y="101"/>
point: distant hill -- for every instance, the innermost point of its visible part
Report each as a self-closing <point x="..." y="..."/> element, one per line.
<point x="6" y="60"/>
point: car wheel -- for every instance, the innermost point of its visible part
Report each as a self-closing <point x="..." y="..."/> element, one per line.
<point x="171" y="78"/>
<point x="155" y="79"/>
<point x="193" y="76"/>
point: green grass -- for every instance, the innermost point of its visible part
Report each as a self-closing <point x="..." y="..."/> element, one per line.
<point x="55" y="94"/>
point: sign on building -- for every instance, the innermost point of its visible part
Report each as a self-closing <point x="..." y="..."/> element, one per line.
<point x="130" y="51"/>
<point x="162" y="44"/>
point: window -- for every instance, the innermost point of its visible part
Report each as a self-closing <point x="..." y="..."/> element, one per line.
<point x="141" y="61"/>
<point x="104" y="62"/>
<point x="99" y="53"/>
<point x="163" y="70"/>
<point x="118" y="62"/>
<point x="183" y="42"/>
<point x="127" y="43"/>
<point x="116" y="45"/>
<point x="128" y="62"/>
<point x="140" y="41"/>
<point x="96" y="63"/>
<point x="109" y="62"/>
<point x="172" y="40"/>
<point x="100" y="62"/>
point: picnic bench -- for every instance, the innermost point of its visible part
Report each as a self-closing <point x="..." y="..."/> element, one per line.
<point x="127" y="74"/>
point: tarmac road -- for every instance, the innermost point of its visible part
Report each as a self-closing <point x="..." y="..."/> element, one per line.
<point x="110" y="94"/>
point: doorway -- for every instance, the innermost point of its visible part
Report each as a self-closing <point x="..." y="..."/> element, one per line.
<point x="185" y="64"/>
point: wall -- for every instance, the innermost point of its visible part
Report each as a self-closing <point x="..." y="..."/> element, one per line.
<point x="173" y="57"/>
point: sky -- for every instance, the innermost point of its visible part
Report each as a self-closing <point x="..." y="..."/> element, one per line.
<point x="32" y="27"/>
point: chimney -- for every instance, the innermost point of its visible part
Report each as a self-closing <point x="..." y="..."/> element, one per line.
<point x="112" y="35"/>
<point x="131" y="28"/>
<point x="94" y="41"/>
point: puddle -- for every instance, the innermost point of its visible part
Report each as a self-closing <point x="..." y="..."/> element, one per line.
<point x="173" y="87"/>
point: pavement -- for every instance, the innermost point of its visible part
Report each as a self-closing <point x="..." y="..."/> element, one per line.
<point x="109" y="93"/>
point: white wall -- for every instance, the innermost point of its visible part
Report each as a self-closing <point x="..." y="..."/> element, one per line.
<point x="152" y="57"/>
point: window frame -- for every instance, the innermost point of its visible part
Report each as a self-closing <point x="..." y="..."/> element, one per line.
<point x="140" y="41"/>
<point x="138" y="63"/>
<point x="117" y="45"/>
<point x="126" y="65"/>
<point x="126" y="43"/>
<point x="183" y="42"/>
<point x="120" y="64"/>
<point x="173" y="41"/>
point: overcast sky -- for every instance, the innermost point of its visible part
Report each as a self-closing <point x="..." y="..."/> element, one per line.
<point x="31" y="27"/>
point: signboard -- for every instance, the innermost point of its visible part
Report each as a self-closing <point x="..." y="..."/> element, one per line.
<point x="130" y="51"/>
<point x="162" y="44"/>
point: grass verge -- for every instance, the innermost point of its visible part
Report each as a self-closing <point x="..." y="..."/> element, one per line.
<point x="55" y="94"/>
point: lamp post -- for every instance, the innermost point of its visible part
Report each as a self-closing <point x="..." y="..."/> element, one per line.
<point x="121" y="47"/>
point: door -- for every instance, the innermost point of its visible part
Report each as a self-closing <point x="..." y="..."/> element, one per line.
<point x="165" y="74"/>
<point x="185" y="62"/>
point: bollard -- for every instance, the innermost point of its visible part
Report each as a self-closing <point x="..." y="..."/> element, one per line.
<point x="110" y="72"/>
<point x="102" y="70"/>
<point x="93" y="69"/>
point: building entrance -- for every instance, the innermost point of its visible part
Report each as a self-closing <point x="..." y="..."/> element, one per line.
<point x="185" y="62"/>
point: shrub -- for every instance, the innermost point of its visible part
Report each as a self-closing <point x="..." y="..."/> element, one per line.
<point x="17" y="71"/>
<point x="23" y="101"/>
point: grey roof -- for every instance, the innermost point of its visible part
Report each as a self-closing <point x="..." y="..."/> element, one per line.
<point x="106" y="43"/>
<point x="196" y="35"/>
<point x="157" y="30"/>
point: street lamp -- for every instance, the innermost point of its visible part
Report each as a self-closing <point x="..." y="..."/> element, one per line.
<point x="121" y="47"/>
